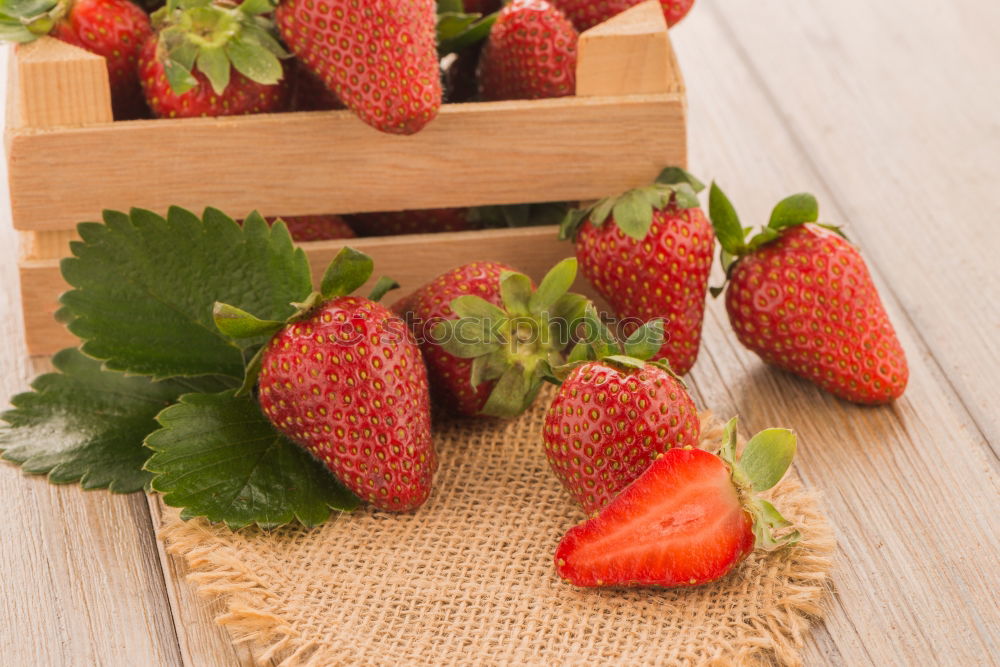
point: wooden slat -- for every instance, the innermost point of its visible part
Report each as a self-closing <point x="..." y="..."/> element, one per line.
<point x="909" y="487"/>
<point x="320" y="162"/>
<point x="412" y="260"/>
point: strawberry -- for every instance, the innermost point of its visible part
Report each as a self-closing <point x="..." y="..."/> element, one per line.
<point x="530" y="53"/>
<point x="344" y="379"/>
<point x="379" y="56"/>
<point x="213" y="60"/>
<point x="316" y="227"/>
<point x="801" y="297"/>
<point x="614" y="414"/>
<point x="425" y="221"/>
<point x="689" y="519"/>
<point x="488" y="337"/>
<point x="115" y="29"/>
<point x="587" y="13"/>
<point x="648" y="252"/>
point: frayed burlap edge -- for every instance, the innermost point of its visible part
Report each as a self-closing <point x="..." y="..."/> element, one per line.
<point x="218" y="569"/>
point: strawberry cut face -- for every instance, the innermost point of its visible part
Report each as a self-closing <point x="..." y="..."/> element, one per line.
<point x="682" y="523"/>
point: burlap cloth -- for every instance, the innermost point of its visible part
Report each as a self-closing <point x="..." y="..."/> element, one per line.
<point x="469" y="579"/>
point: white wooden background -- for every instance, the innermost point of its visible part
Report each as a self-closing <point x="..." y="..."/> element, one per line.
<point x="890" y="112"/>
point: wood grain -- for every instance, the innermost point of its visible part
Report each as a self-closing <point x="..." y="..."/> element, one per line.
<point x="411" y="260"/>
<point x="331" y="162"/>
<point x="629" y="54"/>
<point x="60" y="84"/>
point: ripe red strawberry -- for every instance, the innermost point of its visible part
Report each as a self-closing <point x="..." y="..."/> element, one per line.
<point x="649" y="253"/>
<point x="530" y="53"/>
<point x="424" y="221"/>
<point x="115" y="29"/>
<point x="379" y="57"/>
<point x="689" y="519"/>
<point x="488" y="337"/>
<point x="801" y="297"/>
<point x="316" y="227"/>
<point x="214" y="60"/>
<point x="587" y="13"/>
<point x="344" y="379"/>
<point x="613" y="416"/>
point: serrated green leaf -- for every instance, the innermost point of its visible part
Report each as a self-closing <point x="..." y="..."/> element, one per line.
<point x="645" y="341"/>
<point x="472" y="306"/>
<point x="728" y="451"/>
<point x="675" y="175"/>
<point x="626" y="361"/>
<point x="213" y="63"/>
<point x="571" y="223"/>
<point x="794" y="210"/>
<point x="217" y="456"/>
<point x="84" y="424"/>
<point x="767" y="457"/>
<point x="515" y="292"/>
<point x="554" y="285"/>
<point x="685" y="196"/>
<point x="237" y="323"/>
<point x="179" y="77"/>
<point x="767" y="522"/>
<point x="511" y="394"/>
<point x="145" y="286"/>
<point x="725" y="221"/>
<point x="348" y="271"/>
<point x="383" y="286"/>
<point x="633" y="214"/>
<point x="254" y="61"/>
<point x="601" y="211"/>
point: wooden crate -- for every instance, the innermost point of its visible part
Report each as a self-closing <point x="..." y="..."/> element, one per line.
<point x="67" y="160"/>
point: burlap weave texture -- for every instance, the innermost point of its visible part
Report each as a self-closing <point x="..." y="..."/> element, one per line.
<point x="469" y="579"/>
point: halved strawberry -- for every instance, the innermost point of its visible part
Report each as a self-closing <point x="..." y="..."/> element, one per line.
<point x="688" y="520"/>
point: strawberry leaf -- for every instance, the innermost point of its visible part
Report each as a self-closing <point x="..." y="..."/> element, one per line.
<point x="348" y="271"/>
<point x="645" y="341"/>
<point x="145" y="286"/>
<point x="725" y="222"/>
<point x="217" y="456"/>
<point x="515" y="292"/>
<point x="794" y="210"/>
<point x="85" y="424"/>
<point x="633" y="214"/>
<point x="767" y="456"/>
<point x="554" y="285"/>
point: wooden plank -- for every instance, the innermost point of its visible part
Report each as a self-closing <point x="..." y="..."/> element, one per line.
<point x="323" y="162"/>
<point x="412" y="260"/>
<point x="60" y="84"/>
<point x="909" y="487"/>
<point x="81" y="580"/>
<point x="629" y="54"/>
<point x="914" y="171"/>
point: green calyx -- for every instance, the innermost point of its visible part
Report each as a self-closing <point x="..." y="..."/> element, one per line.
<point x="633" y="210"/>
<point x="764" y="461"/>
<point x="514" y="346"/>
<point x="24" y="21"/>
<point x="214" y="38"/>
<point x="735" y="239"/>
<point x="348" y="271"/>
<point x="598" y="343"/>
<point x="458" y="29"/>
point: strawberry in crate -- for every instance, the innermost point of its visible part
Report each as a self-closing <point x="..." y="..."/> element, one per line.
<point x="114" y="29"/>
<point x="585" y="14"/>
<point x="215" y="59"/>
<point x="379" y="57"/>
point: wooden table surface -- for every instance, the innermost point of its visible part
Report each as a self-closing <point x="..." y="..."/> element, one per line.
<point x="888" y="112"/>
